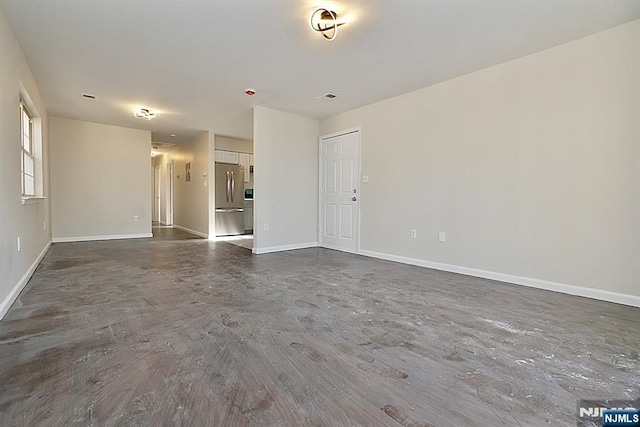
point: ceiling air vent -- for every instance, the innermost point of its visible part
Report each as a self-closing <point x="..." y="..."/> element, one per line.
<point x="88" y="96"/>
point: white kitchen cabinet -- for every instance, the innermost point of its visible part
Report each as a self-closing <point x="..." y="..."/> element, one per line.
<point x="229" y="157"/>
<point x="243" y="159"/>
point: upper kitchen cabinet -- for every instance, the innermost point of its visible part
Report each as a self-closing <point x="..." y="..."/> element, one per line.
<point x="229" y="157"/>
<point x="243" y="159"/>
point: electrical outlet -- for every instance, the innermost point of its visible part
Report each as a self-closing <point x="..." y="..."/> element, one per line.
<point x="365" y="178"/>
<point x="19" y="246"/>
<point x="135" y="218"/>
<point x="266" y="227"/>
<point x="414" y="234"/>
<point x="442" y="237"/>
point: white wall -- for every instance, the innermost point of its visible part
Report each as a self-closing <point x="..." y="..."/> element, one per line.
<point x="532" y="168"/>
<point x="191" y="199"/>
<point x="286" y="180"/>
<point x="17" y="220"/>
<point x="100" y="180"/>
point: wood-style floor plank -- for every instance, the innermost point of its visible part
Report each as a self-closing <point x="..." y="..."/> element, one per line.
<point x="169" y="331"/>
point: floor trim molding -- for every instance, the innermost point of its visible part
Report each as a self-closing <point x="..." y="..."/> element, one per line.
<point x="105" y="237"/>
<point x="15" y="292"/>
<point x="581" y="291"/>
<point x="337" y="248"/>
<point x="188" y="230"/>
<point x="282" y="248"/>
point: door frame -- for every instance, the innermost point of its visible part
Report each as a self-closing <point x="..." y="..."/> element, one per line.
<point x="157" y="204"/>
<point x="321" y="138"/>
<point x="170" y="190"/>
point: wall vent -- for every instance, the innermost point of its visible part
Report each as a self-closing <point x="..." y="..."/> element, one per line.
<point x="328" y="96"/>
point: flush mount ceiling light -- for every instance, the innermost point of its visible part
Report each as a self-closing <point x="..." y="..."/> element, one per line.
<point x="325" y="22"/>
<point x="144" y="113"/>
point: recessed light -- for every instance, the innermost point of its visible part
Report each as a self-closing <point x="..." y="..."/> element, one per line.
<point x="88" y="96"/>
<point x="173" y="135"/>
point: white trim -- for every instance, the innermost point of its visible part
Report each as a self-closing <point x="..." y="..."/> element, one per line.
<point x="188" y="230"/>
<point x="30" y="200"/>
<point x="105" y="237"/>
<point x="336" y="248"/>
<point x="271" y="249"/>
<point x="581" y="291"/>
<point x="15" y="292"/>
<point x="341" y="132"/>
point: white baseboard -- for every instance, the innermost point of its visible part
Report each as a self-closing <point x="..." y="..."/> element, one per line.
<point x="15" y="292"/>
<point x="581" y="291"/>
<point x="105" y="237"/>
<point x="271" y="249"/>
<point x="188" y="230"/>
<point x="336" y="248"/>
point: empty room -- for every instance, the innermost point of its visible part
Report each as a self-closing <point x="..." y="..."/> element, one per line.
<point x="300" y="213"/>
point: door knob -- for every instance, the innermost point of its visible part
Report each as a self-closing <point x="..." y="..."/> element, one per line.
<point x="354" y="199"/>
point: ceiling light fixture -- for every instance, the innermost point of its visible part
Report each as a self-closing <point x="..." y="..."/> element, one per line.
<point x="144" y="113"/>
<point x="325" y="22"/>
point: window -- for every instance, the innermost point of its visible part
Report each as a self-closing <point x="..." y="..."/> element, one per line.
<point x="28" y="153"/>
<point x="32" y="165"/>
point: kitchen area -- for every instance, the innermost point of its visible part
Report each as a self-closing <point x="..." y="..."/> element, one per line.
<point x="234" y="173"/>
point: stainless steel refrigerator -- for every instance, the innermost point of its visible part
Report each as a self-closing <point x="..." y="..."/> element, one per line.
<point x="229" y="199"/>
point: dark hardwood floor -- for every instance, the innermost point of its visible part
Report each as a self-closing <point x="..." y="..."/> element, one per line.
<point x="171" y="332"/>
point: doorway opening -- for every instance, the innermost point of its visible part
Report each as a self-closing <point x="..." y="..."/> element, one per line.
<point x="233" y="184"/>
<point x="156" y="194"/>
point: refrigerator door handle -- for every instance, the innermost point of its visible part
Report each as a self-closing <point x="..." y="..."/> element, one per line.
<point x="227" y="186"/>
<point x="233" y="186"/>
<point x="230" y="210"/>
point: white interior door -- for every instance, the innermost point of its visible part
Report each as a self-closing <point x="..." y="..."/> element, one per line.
<point x="339" y="191"/>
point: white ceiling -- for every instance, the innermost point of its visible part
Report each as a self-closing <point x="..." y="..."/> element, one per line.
<point x="191" y="60"/>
